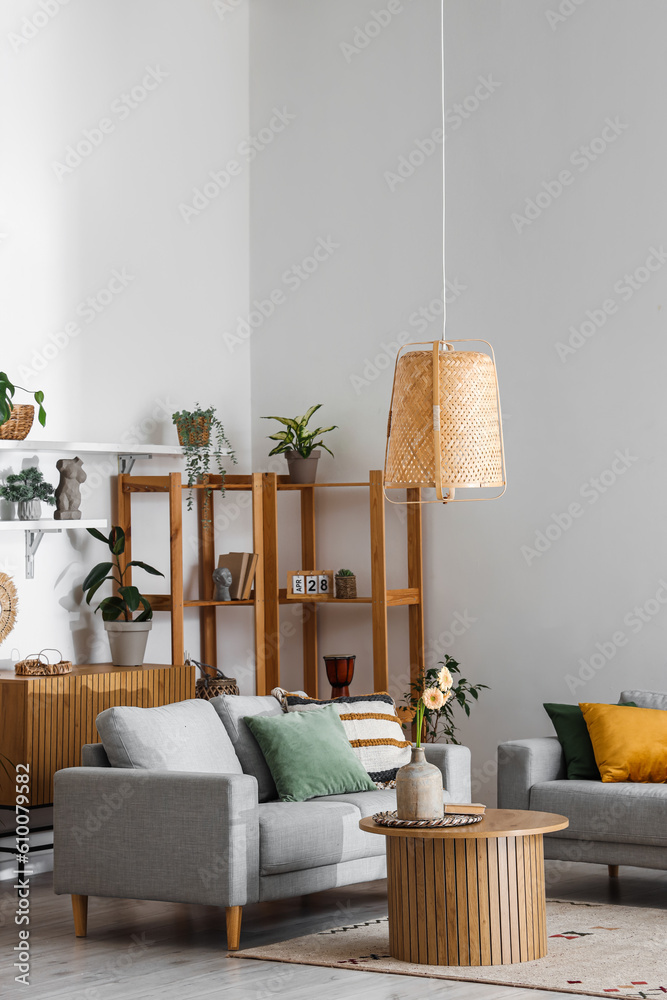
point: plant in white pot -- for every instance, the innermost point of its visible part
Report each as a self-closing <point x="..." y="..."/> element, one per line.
<point x="29" y="490"/>
<point x="127" y="635"/>
<point x="297" y="443"/>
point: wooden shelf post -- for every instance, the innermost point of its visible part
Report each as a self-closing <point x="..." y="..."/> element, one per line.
<point x="379" y="584"/>
<point x="207" y="617"/>
<point x="309" y="622"/>
<point x="415" y="579"/>
<point x="260" y="608"/>
<point x="271" y="641"/>
<point x="176" y="567"/>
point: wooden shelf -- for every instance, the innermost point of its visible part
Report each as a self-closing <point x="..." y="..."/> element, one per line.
<point x="394" y="598"/>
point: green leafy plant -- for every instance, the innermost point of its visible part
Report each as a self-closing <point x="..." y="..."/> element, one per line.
<point x="196" y="430"/>
<point x="28" y="484"/>
<point x="128" y="599"/>
<point x="432" y="699"/>
<point x="344" y="572"/>
<point x="7" y="390"/>
<point x="298" y="437"/>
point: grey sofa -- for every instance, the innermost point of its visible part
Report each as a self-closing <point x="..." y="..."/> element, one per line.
<point x="611" y="823"/>
<point x="199" y="835"/>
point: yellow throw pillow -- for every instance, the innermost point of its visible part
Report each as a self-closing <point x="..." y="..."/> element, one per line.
<point x="630" y="744"/>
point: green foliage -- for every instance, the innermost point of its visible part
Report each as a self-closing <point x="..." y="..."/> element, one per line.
<point x="28" y="484"/>
<point x="297" y="437"/>
<point x="440" y="723"/>
<point x="7" y="390"/>
<point x="198" y="456"/>
<point x="344" y="572"/>
<point x="128" y="599"/>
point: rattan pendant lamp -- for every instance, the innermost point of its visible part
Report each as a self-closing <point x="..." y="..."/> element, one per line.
<point x="445" y="427"/>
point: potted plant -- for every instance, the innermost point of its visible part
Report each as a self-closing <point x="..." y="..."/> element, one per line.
<point x="127" y="635"/>
<point x="16" y="418"/>
<point x="195" y="430"/>
<point x="346" y="584"/>
<point x="434" y="718"/>
<point x="28" y="489"/>
<point x="298" y="445"/>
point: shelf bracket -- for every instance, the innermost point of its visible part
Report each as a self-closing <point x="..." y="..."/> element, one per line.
<point x="126" y="462"/>
<point x="33" y="538"/>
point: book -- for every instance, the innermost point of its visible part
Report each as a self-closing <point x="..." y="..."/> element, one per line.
<point x="237" y="564"/>
<point x="250" y="575"/>
<point x="466" y="809"/>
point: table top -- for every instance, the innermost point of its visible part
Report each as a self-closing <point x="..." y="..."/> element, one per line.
<point x="84" y="668"/>
<point x="496" y="823"/>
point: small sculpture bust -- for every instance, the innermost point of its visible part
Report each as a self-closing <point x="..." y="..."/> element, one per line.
<point x="68" y="490"/>
<point x="222" y="579"/>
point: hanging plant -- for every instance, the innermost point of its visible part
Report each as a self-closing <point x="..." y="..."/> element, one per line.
<point x="203" y="440"/>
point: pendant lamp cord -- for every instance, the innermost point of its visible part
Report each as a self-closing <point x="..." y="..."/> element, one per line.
<point x="444" y="111"/>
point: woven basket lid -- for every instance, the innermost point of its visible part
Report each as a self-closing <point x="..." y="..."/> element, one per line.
<point x="470" y="432"/>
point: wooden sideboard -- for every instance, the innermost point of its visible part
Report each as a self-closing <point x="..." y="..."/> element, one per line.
<point x="44" y="721"/>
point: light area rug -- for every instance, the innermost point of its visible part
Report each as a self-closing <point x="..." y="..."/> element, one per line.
<point x="594" y="949"/>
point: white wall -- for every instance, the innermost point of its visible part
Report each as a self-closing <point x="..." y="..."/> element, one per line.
<point x="554" y="82"/>
<point x="157" y="346"/>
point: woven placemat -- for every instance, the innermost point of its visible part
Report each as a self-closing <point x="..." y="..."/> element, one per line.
<point x="449" y="819"/>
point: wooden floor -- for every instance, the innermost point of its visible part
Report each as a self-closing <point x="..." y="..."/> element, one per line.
<point x="143" y="950"/>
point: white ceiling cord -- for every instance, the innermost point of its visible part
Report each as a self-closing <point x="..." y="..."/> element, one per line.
<point x="444" y="273"/>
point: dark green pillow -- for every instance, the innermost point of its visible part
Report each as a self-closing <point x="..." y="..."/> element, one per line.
<point x="309" y="754"/>
<point x="572" y="733"/>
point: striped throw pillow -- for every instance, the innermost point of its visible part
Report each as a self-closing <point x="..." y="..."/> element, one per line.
<point x="372" y="727"/>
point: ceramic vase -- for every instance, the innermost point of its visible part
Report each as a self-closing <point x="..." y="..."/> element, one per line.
<point x="419" y="789"/>
<point x="29" y="510"/>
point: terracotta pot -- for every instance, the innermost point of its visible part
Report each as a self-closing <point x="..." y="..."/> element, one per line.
<point x="340" y="671"/>
<point x="127" y="641"/>
<point x="419" y="789"/>
<point x="302" y="470"/>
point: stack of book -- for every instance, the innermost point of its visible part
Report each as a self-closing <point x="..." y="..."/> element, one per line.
<point x="242" y="566"/>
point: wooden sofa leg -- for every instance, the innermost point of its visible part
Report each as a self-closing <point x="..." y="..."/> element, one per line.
<point x="80" y="911"/>
<point x="613" y="871"/>
<point x="233" y="915"/>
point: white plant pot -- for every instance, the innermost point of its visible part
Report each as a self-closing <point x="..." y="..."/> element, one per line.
<point x="128" y="642"/>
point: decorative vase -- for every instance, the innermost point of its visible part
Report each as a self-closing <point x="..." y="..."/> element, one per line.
<point x="340" y="671"/>
<point x="419" y="789"/>
<point x="29" y="510"/>
<point x="346" y="587"/>
<point x="127" y="641"/>
<point x="302" y="470"/>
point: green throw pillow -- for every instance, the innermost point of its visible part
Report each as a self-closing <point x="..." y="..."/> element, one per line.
<point x="308" y="754"/>
<point x="572" y="733"/>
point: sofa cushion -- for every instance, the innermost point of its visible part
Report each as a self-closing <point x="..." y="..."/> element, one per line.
<point x="645" y="699"/>
<point x="185" y="736"/>
<point x="621" y="813"/>
<point x="294" y="836"/>
<point x="629" y="745"/>
<point x="232" y="708"/>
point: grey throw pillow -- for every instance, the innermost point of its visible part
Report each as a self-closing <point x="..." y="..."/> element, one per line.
<point x="185" y="736"/>
<point x="645" y="699"/>
<point x="232" y="708"/>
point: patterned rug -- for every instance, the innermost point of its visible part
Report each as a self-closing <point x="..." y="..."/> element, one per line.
<point x="594" y="949"/>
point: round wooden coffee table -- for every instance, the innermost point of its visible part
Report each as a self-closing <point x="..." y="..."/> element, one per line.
<point x="468" y="895"/>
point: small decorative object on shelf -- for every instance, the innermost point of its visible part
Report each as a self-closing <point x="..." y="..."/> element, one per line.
<point x="195" y="430"/>
<point x="310" y="584"/>
<point x="340" y="671"/>
<point x="297" y="443"/>
<point x="438" y="716"/>
<point x="211" y="685"/>
<point x="242" y="566"/>
<point x="8" y="605"/>
<point x="16" y="419"/>
<point x="222" y="578"/>
<point x="38" y="665"/>
<point x="127" y="637"/>
<point x="68" y="490"/>
<point x="346" y="585"/>
<point x="29" y="490"/>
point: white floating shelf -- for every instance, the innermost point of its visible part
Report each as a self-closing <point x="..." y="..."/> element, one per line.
<point x="35" y="531"/>
<point x="127" y="454"/>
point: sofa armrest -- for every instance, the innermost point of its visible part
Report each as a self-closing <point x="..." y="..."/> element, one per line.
<point x="454" y="762"/>
<point x="166" y="835"/>
<point x="524" y="763"/>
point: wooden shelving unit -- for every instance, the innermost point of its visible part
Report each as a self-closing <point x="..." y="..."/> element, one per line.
<point x="268" y="595"/>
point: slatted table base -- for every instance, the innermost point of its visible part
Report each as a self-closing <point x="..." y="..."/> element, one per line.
<point x="466" y="901"/>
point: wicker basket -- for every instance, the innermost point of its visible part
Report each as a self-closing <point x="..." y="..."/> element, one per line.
<point x="210" y="687"/>
<point x="196" y="432"/>
<point x="37" y="665"/>
<point x="18" y="426"/>
<point x="346" y="587"/>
